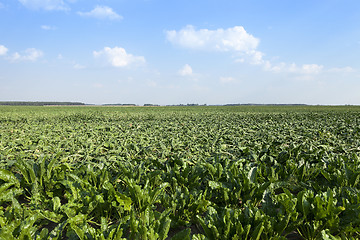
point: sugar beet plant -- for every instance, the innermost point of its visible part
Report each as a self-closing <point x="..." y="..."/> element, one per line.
<point x="180" y="173"/>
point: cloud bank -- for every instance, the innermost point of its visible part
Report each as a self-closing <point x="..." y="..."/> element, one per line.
<point x="243" y="45"/>
<point x="235" y="40"/>
<point x="231" y="39"/>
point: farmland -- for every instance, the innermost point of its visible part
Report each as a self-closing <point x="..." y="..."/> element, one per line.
<point x="242" y="172"/>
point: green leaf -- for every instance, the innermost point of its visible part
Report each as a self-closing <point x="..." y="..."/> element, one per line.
<point x="281" y="226"/>
<point x="252" y="174"/>
<point x="56" y="203"/>
<point x="8" y="195"/>
<point x="257" y="232"/>
<point x="27" y="227"/>
<point x="214" y="185"/>
<point x="164" y="228"/>
<point x="44" y="233"/>
<point x="51" y="216"/>
<point x="8" y="177"/>
<point x="206" y="229"/>
<point x="327" y="236"/>
<point x="199" y="237"/>
<point x="79" y="231"/>
<point x="123" y="200"/>
<point x="182" y="235"/>
<point x="5" y="186"/>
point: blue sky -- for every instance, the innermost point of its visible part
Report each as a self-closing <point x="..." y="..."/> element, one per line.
<point x="172" y="52"/>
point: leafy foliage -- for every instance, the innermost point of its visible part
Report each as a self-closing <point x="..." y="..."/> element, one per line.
<point x="179" y="173"/>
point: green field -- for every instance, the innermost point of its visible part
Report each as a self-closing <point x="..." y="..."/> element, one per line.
<point x="243" y="172"/>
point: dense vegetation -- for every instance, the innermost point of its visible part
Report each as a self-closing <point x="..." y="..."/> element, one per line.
<point x="180" y="173"/>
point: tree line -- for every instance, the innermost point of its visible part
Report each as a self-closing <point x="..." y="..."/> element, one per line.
<point x="23" y="103"/>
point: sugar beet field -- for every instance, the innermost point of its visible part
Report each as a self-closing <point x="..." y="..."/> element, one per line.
<point x="244" y="172"/>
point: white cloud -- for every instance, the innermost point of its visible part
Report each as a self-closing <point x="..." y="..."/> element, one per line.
<point x="244" y="45"/>
<point x="256" y="57"/>
<point x="79" y="66"/>
<point x="277" y="68"/>
<point x="235" y="40"/>
<point x="305" y="69"/>
<point x="48" y="5"/>
<point x="231" y="39"/>
<point x="102" y="12"/>
<point x="227" y="79"/>
<point x="2" y="5"/>
<point x="311" y="68"/>
<point x="240" y="60"/>
<point x="118" y="57"/>
<point x="47" y="27"/>
<point x="186" y="70"/>
<point x="3" y="50"/>
<point x="30" y="54"/>
<point x="342" y="70"/>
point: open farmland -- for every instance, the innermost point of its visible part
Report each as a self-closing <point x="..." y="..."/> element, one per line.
<point x="264" y="172"/>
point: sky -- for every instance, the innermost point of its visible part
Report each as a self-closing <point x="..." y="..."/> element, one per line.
<point x="181" y="52"/>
